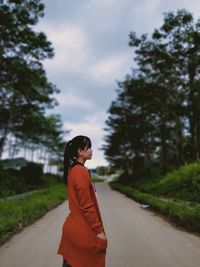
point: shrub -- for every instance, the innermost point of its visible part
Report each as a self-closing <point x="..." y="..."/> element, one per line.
<point x="32" y="173"/>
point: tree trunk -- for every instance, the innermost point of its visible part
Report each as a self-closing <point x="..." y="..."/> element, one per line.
<point x="3" y="140"/>
<point x="2" y="143"/>
<point x="6" y="128"/>
<point x="179" y="133"/>
<point x="164" y="150"/>
<point x="192" y="117"/>
<point x="193" y="131"/>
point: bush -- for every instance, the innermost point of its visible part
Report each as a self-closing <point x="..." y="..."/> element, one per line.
<point x="32" y="173"/>
<point x="49" y="179"/>
<point x="9" y="184"/>
<point x="13" y="182"/>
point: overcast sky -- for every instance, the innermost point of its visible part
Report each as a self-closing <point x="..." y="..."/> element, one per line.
<point x="90" y="38"/>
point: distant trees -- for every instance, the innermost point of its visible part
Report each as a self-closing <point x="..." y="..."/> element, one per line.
<point x="155" y="119"/>
<point x="25" y="92"/>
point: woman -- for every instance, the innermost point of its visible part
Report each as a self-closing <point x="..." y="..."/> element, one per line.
<point x="83" y="242"/>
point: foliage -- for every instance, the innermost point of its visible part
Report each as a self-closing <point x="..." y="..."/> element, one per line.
<point x="97" y="179"/>
<point x="32" y="173"/>
<point x="11" y="183"/>
<point x="25" y="92"/>
<point x="15" y="214"/>
<point x="14" y="182"/>
<point x="182" y="183"/>
<point x="49" y="179"/>
<point x="103" y="170"/>
<point x="155" y="118"/>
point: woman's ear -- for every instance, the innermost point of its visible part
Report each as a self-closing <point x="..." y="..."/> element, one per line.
<point x="79" y="152"/>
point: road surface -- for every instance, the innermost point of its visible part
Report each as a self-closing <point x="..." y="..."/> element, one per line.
<point x="137" y="238"/>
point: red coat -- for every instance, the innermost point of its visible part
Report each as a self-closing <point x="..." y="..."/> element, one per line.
<point x="79" y="243"/>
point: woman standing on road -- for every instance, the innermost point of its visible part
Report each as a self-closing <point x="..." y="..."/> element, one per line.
<point x="83" y="242"/>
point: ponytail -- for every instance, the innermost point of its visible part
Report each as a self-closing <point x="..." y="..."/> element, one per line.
<point x="69" y="159"/>
<point x="71" y="150"/>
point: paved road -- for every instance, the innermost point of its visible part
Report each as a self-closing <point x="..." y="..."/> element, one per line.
<point x="137" y="238"/>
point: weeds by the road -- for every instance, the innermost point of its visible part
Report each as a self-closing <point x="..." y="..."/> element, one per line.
<point x="176" y="195"/>
<point x="183" y="183"/>
<point x="97" y="179"/>
<point x="15" y="214"/>
<point x="182" y="213"/>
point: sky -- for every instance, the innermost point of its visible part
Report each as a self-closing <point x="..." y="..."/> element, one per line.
<point x="90" y="40"/>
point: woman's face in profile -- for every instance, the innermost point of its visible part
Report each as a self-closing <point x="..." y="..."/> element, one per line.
<point x="86" y="153"/>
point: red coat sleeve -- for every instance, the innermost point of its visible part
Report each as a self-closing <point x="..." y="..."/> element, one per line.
<point x="82" y="185"/>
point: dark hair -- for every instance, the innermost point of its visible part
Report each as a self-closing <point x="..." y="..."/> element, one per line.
<point x="71" y="150"/>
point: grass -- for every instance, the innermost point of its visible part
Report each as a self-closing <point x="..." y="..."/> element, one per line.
<point x="96" y="179"/>
<point x="183" y="183"/>
<point x="15" y="214"/>
<point x="175" y="195"/>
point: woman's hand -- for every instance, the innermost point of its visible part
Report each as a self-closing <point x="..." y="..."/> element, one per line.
<point x="101" y="235"/>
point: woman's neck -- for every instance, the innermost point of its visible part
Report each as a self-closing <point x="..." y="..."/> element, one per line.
<point x="81" y="161"/>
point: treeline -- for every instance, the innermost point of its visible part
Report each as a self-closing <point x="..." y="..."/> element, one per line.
<point x="154" y="122"/>
<point x="25" y="92"/>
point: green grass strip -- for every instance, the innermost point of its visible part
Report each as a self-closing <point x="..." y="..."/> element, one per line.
<point x="179" y="212"/>
<point x="15" y="214"/>
<point x="97" y="179"/>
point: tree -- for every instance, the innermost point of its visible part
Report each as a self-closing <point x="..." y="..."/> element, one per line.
<point x="156" y="113"/>
<point x="45" y="135"/>
<point x="24" y="86"/>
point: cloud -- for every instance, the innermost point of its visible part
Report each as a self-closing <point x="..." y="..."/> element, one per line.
<point x="71" y="47"/>
<point x="110" y="8"/>
<point x="148" y="16"/>
<point x="74" y="54"/>
<point x="110" y="68"/>
<point x="103" y="3"/>
<point x="91" y="126"/>
<point x="107" y="15"/>
<point x="69" y="99"/>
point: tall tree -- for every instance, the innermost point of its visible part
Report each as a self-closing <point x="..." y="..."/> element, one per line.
<point x="23" y="82"/>
<point x="160" y="98"/>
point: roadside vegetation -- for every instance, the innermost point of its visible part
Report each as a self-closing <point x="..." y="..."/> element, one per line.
<point x="175" y="195"/>
<point x="15" y="214"/>
<point x="97" y="179"/>
<point x="27" y="178"/>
